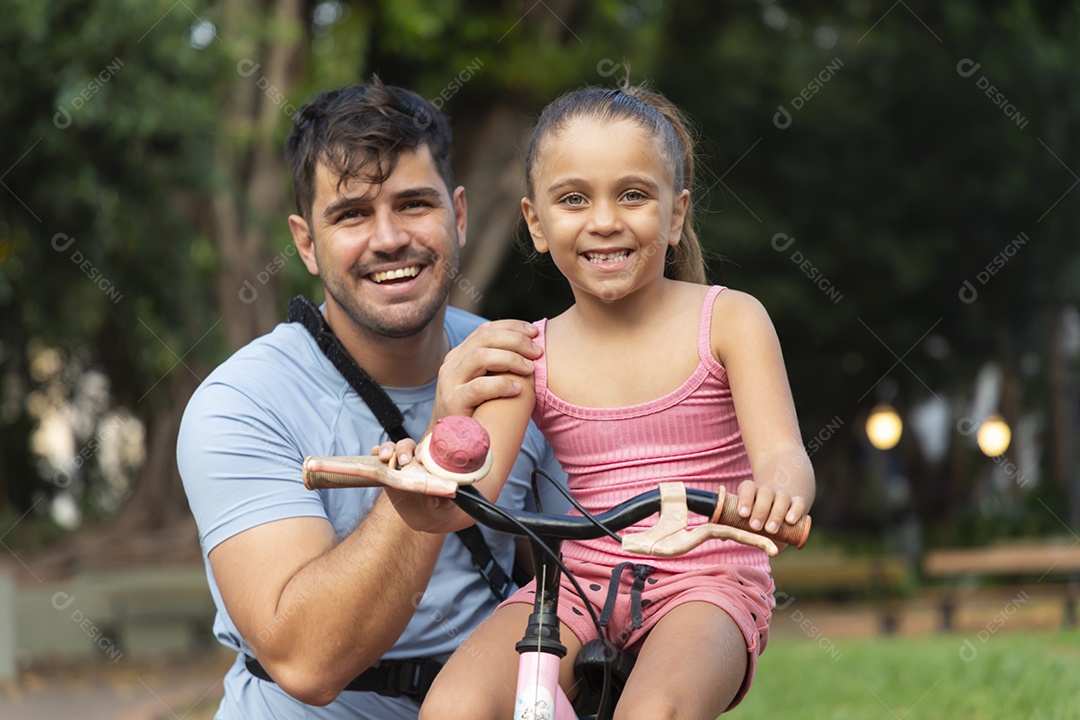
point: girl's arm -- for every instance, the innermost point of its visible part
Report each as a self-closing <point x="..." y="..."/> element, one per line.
<point x="745" y="343"/>
<point x="505" y="420"/>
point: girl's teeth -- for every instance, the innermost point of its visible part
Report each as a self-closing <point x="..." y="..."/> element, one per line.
<point x="395" y="274"/>
<point x="608" y="257"/>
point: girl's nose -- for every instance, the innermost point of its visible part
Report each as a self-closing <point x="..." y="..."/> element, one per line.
<point x="604" y="218"/>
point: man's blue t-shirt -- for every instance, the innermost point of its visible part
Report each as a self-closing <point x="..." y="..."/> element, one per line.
<point x="243" y="440"/>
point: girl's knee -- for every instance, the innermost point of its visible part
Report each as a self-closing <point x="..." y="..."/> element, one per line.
<point x="448" y="701"/>
<point x="651" y="708"/>
<point x="449" y="706"/>
<point x="658" y="705"/>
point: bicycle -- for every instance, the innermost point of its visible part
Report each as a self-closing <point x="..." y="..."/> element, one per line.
<point x="599" y="664"/>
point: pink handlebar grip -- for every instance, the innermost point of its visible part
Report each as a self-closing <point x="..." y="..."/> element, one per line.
<point x="367" y="471"/>
<point x="318" y="476"/>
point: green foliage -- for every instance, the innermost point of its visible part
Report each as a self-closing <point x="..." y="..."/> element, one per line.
<point x="114" y="125"/>
<point x="110" y="120"/>
<point x="1013" y="674"/>
<point x="897" y="178"/>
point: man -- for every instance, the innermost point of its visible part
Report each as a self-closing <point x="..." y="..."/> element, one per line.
<point x="313" y="589"/>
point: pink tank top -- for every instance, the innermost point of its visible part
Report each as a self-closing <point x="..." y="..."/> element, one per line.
<point x="612" y="454"/>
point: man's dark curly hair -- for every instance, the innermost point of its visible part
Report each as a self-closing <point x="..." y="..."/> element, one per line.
<point x="360" y="131"/>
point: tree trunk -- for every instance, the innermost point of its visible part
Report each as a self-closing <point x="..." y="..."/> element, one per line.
<point x="248" y="157"/>
<point x="155" y="525"/>
<point x="494" y="184"/>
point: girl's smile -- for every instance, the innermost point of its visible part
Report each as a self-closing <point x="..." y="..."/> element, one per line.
<point x="605" y="207"/>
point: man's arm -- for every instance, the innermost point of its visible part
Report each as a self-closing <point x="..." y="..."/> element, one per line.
<point x="317" y="613"/>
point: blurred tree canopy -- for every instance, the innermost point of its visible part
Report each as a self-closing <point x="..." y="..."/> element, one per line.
<point x="894" y="182"/>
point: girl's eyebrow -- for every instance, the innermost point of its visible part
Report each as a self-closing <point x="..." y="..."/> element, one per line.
<point x="640" y="180"/>
<point x="566" y="183"/>
<point x="649" y="184"/>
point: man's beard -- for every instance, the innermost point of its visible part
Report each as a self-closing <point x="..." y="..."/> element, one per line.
<point x="390" y="325"/>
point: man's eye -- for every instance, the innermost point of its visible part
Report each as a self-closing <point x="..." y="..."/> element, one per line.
<point x="349" y="215"/>
<point x="416" y="205"/>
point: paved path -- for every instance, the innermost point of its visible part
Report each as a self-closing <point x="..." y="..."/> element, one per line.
<point x="190" y="688"/>
<point x="187" y="689"/>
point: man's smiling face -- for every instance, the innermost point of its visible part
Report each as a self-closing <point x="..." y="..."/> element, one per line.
<point x="387" y="254"/>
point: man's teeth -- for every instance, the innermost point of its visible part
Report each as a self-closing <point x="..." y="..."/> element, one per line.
<point x="395" y="274"/>
<point x="607" y="257"/>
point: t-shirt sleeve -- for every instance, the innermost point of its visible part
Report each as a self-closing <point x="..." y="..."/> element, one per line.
<point x="239" y="465"/>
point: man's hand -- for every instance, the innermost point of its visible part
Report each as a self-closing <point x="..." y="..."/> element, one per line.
<point x="469" y="374"/>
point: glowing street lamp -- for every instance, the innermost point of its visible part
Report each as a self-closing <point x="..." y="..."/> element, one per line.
<point x="994" y="436"/>
<point x="884" y="427"/>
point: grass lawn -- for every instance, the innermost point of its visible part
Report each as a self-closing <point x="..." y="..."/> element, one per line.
<point x="1003" y="677"/>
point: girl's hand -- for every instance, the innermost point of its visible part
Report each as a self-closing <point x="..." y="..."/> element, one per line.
<point x="768" y="506"/>
<point x="405" y="450"/>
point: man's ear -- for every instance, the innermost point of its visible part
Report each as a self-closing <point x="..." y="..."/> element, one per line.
<point x="678" y="216"/>
<point x="461" y="212"/>
<point x="536" y="230"/>
<point x="305" y="243"/>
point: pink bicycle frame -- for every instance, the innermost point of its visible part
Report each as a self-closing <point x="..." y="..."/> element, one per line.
<point x="539" y="696"/>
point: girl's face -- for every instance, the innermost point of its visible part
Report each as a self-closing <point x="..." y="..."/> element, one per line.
<point x="604" y="206"/>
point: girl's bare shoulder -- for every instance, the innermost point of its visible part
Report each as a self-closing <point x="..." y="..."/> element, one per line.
<point x="737" y="302"/>
<point x="739" y="320"/>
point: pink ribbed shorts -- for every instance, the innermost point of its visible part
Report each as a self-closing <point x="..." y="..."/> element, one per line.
<point x="746" y="594"/>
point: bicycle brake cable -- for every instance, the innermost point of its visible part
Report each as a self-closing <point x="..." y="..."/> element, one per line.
<point x="528" y="532"/>
<point x="566" y="494"/>
<point x="606" y="686"/>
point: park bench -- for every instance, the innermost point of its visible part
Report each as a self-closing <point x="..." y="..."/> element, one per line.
<point x="1051" y="563"/>
<point x="169" y="613"/>
<point x="831" y="575"/>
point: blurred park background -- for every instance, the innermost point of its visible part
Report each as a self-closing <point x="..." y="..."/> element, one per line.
<point x="895" y="181"/>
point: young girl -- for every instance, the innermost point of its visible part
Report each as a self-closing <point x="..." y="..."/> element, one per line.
<point x="649" y="376"/>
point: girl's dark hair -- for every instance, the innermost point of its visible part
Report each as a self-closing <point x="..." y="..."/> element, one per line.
<point x="657" y="115"/>
<point x="360" y="131"/>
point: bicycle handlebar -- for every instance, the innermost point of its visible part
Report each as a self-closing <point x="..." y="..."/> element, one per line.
<point x="463" y="443"/>
<point x="620" y="517"/>
<point x="323" y="473"/>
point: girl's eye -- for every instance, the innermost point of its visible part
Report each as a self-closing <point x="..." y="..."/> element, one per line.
<point x="634" y="196"/>
<point x="573" y="199"/>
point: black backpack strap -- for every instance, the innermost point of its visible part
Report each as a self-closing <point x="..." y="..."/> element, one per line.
<point x="501" y="585"/>
<point x="411" y="677"/>
<point x="305" y="312"/>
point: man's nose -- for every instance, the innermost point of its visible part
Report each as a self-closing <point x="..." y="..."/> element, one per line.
<point x="387" y="234"/>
